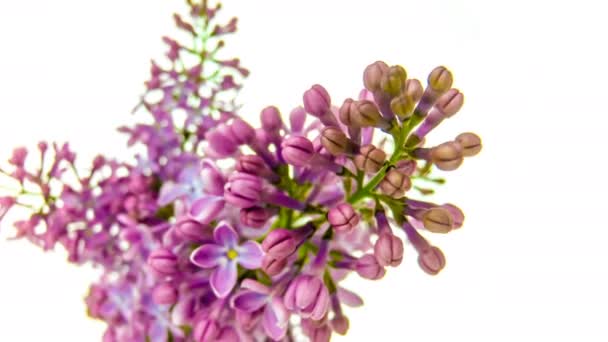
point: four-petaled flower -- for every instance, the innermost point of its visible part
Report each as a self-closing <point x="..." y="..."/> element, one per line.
<point x="223" y="256"/>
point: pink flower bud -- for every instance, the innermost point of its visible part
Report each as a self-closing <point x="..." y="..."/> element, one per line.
<point x="395" y="183"/>
<point x="336" y="142"/>
<point x="431" y="260"/>
<point x="271" y="119"/>
<point x="340" y="324"/>
<point x="243" y="190"/>
<point x="366" y="114"/>
<point x="438" y="220"/>
<point x="221" y="141"/>
<point x="255" y="217"/>
<point x="373" y="74"/>
<point x="470" y="142"/>
<point x="388" y="250"/>
<point x="163" y="262"/>
<point x="297" y="118"/>
<point x="450" y="102"/>
<point x="343" y="218"/>
<point x="368" y="267"/>
<point x="280" y="243"/>
<point x="447" y="156"/>
<point x="242" y="132"/>
<point x="456" y="214"/>
<point x="165" y="294"/>
<point x="192" y="230"/>
<point x="253" y="164"/>
<point x="273" y="266"/>
<point x="317" y="101"/>
<point x="297" y="150"/>
<point x="370" y="159"/>
<point x="18" y="156"/>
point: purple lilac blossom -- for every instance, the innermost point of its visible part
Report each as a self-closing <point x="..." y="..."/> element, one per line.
<point x="221" y="231"/>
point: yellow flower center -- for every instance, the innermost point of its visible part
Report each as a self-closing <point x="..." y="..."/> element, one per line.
<point x="232" y="254"/>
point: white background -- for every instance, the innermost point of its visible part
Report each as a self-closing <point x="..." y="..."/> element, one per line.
<point x="530" y="263"/>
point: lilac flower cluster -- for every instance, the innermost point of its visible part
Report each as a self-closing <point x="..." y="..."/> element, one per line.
<point x="226" y="232"/>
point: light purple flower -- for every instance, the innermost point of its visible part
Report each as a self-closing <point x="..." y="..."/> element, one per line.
<point x="202" y="187"/>
<point x="253" y="297"/>
<point x="223" y="257"/>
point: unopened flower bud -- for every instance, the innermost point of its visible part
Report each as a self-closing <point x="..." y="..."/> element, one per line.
<point x="447" y="156"/>
<point x="470" y="142"/>
<point x="370" y="159"/>
<point x="336" y="142"/>
<point x="368" y="267"/>
<point x="221" y="141"/>
<point x="271" y="119"/>
<point x="163" y="262"/>
<point x="372" y="76"/>
<point x="456" y="214"/>
<point x="297" y="117"/>
<point x="191" y="230"/>
<point x="393" y="80"/>
<point x="395" y="183"/>
<point x="255" y="217"/>
<point x="340" y="324"/>
<point x="366" y="114"/>
<point x="165" y="294"/>
<point x="308" y="296"/>
<point x="280" y="243"/>
<point x="440" y="79"/>
<point x="317" y="101"/>
<point x="413" y="89"/>
<point x="450" y="102"/>
<point x="346" y="112"/>
<point x="402" y="106"/>
<point x="343" y="218"/>
<point x="297" y="150"/>
<point x="388" y="250"/>
<point x="273" y="266"/>
<point x="206" y="330"/>
<point x="242" y="132"/>
<point x="243" y="190"/>
<point x="431" y="260"/>
<point x="438" y="220"/>
<point x="255" y="165"/>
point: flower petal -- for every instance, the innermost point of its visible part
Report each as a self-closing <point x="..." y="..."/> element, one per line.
<point x="225" y="236"/>
<point x="223" y="278"/>
<point x="170" y="192"/>
<point x="208" y="256"/>
<point x="275" y="319"/>
<point x="249" y="301"/>
<point x="254" y="285"/>
<point x="349" y="298"/>
<point x="213" y="181"/>
<point x="207" y="208"/>
<point x="250" y="255"/>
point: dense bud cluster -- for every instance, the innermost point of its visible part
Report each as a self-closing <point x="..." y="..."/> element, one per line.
<point x="223" y="231"/>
